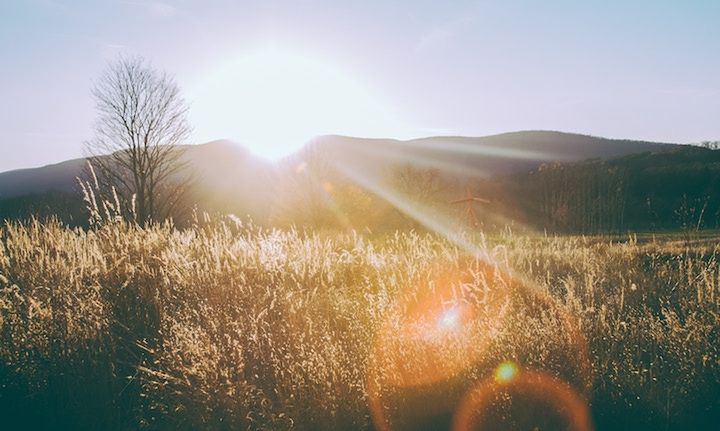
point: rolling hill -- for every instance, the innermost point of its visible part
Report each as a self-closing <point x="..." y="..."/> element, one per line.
<point x="230" y="179"/>
<point x="503" y="154"/>
<point x="226" y="165"/>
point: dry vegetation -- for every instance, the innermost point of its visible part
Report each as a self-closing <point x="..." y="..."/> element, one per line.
<point x="225" y="326"/>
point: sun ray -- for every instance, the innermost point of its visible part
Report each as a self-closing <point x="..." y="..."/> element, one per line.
<point x="425" y="215"/>
<point x="455" y="146"/>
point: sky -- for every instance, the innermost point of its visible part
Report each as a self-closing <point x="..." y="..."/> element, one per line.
<point x="272" y="74"/>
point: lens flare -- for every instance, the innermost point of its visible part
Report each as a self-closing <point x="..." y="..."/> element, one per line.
<point x="528" y="399"/>
<point x="452" y="327"/>
<point x="428" y="341"/>
<point x="449" y="319"/>
<point x="505" y="372"/>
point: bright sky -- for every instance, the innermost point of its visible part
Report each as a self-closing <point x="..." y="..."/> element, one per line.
<point x="271" y="74"/>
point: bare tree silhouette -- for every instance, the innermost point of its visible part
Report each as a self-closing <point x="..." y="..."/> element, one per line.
<point x="142" y="118"/>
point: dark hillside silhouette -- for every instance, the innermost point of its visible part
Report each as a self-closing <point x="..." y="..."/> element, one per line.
<point x="547" y="180"/>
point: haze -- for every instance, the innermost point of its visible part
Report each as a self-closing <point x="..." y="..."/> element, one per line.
<point x="403" y="69"/>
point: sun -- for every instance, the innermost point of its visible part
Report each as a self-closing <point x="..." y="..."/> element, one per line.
<point x="273" y="102"/>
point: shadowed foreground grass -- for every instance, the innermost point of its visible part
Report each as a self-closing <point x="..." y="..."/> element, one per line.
<point x="229" y="327"/>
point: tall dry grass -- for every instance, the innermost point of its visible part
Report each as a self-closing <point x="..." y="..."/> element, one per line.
<point x="227" y="326"/>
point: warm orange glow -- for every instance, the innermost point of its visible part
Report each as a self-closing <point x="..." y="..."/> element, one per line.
<point x="431" y="336"/>
<point x="445" y="331"/>
<point x="449" y="327"/>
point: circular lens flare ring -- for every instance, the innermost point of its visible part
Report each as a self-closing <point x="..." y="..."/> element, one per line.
<point x="442" y="330"/>
<point x="509" y="380"/>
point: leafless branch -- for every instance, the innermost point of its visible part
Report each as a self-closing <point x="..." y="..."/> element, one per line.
<point x="142" y="118"/>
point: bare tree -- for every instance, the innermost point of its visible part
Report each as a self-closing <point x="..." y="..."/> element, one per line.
<point x="142" y="117"/>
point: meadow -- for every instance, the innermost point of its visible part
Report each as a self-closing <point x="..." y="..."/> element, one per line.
<point x="225" y="325"/>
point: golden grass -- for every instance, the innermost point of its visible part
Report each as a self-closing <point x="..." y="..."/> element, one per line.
<point x="226" y="326"/>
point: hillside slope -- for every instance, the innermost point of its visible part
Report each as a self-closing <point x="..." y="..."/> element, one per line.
<point x="298" y="189"/>
<point x="502" y="154"/>
<point x="222" y="163"/>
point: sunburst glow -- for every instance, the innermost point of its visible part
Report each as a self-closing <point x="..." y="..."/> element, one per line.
<point x="274" y="102"/>
<point x="449" y="318"/>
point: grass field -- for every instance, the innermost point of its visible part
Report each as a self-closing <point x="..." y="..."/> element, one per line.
<point x="225" y="326"/>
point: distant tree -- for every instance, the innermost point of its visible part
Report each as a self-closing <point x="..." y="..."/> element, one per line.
<point x="142" y="117"/>
<point x="712" y="145"/>
<point x="417" y="184"/>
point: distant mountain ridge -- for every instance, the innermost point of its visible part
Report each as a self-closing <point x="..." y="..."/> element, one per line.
<point x="229" y="167"/>
<point x="58" y="177"/>
<point x="506" y="153"/>
<point x="573" y="145"/>
<point x="215" y="159"/>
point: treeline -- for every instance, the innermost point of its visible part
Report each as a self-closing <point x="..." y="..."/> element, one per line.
<point x="652" y="191"/>
<point x="674" y="190"/>
<point x="65" y="207"/>
<point x="645" y="192"/>
<point x="586" y="197"/>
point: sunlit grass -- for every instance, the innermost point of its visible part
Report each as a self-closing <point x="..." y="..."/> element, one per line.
<point x="228" y="326"/>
